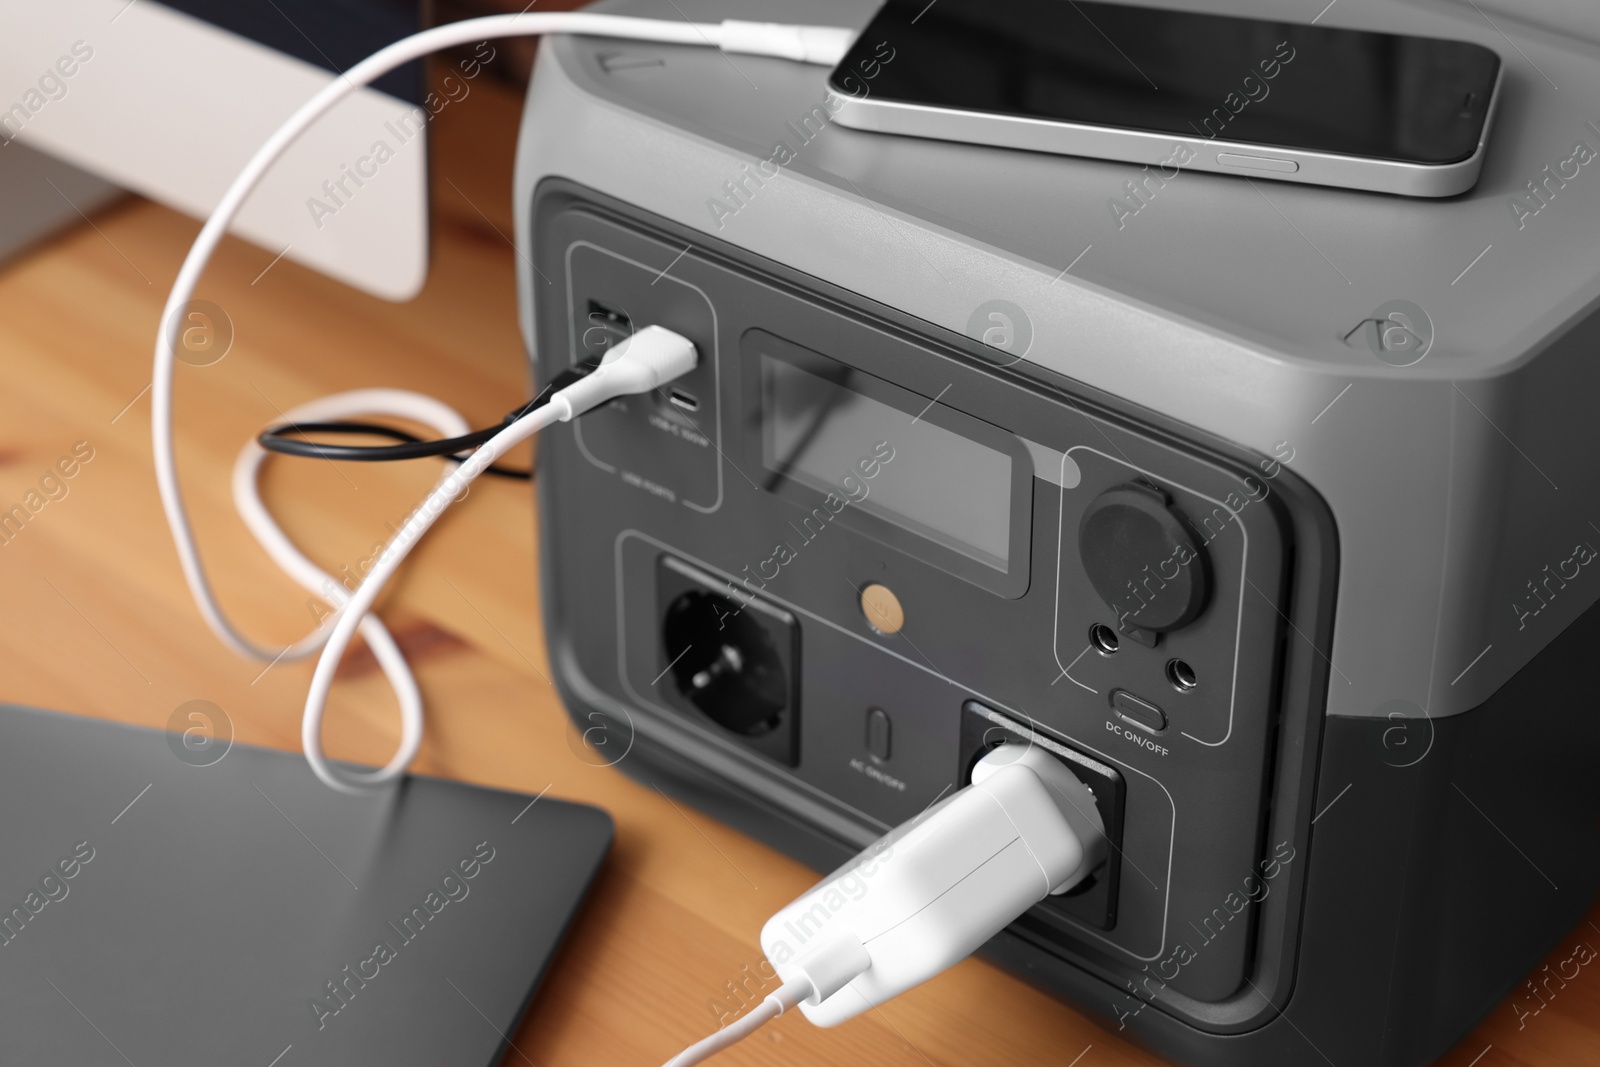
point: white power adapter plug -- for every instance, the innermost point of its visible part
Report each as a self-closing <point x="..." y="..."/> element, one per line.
<point x="931" y="892"/>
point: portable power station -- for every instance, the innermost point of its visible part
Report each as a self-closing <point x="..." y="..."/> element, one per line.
<point x="1269" y="509"/>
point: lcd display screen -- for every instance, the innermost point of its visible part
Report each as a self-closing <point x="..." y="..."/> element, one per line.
<point x="895" y="464"/>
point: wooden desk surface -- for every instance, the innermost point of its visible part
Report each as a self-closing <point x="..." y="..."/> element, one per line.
<point x="97" y="619"/>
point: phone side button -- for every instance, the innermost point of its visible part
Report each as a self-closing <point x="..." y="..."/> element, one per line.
<point x="1278" y="166"/>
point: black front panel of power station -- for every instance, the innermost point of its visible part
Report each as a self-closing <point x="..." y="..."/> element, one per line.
<point x="850" y="550"/>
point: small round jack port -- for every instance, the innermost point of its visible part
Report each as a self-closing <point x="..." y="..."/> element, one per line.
<point x="1181" y="675"/>
<point x="1103" y="638"/>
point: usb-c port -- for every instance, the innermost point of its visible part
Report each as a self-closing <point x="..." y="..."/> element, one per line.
<point x="683" y="400"/>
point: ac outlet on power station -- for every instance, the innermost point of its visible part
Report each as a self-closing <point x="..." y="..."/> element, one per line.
<point x="1094" y="900"/>
<point x="729" y="659"/>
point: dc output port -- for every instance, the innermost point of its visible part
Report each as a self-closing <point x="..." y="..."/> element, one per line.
<point x="1103" y="638"/>
<point x="1181" y="675"/>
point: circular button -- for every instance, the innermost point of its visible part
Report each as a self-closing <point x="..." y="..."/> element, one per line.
<point x="1142" y="561"/>
<point x="882" y="609"/>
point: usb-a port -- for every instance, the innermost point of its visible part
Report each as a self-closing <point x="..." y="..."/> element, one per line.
<point x="683" y="400"/>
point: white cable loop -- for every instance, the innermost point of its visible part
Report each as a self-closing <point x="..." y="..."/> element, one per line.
<point x="437" y="416"/>
<point x="351" y="614"/>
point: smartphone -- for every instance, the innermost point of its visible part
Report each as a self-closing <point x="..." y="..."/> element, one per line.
<point x="1177" y="90"/>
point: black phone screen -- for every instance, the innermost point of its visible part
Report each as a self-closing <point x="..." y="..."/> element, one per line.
<point x="1289" y="85"/>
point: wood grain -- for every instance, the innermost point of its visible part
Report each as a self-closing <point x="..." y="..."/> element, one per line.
<point x="97" y="620"/>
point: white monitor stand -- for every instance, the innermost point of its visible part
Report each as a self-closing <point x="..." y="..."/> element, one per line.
<point x="171" y="107"/>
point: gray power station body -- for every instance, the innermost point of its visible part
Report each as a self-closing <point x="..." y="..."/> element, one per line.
<point x="1271" y="509"/>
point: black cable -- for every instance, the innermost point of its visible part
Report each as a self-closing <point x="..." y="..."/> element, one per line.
<point x="412" y="446"/>
<point x="455" y="449"/>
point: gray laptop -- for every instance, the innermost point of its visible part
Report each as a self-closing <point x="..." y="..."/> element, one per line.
<point x="163" y="906"/>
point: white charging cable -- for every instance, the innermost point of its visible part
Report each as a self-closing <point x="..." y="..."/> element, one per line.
<point x="929" y="893"/>
<point x="437" y="416"/>
<point x="809" y="44"/>
<point x="785" y="997"/>
<point x="649" y="359"/>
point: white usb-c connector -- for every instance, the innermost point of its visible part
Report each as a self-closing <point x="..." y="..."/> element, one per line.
<point x="823" y="45"/>
<point x="643" y="362"/>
